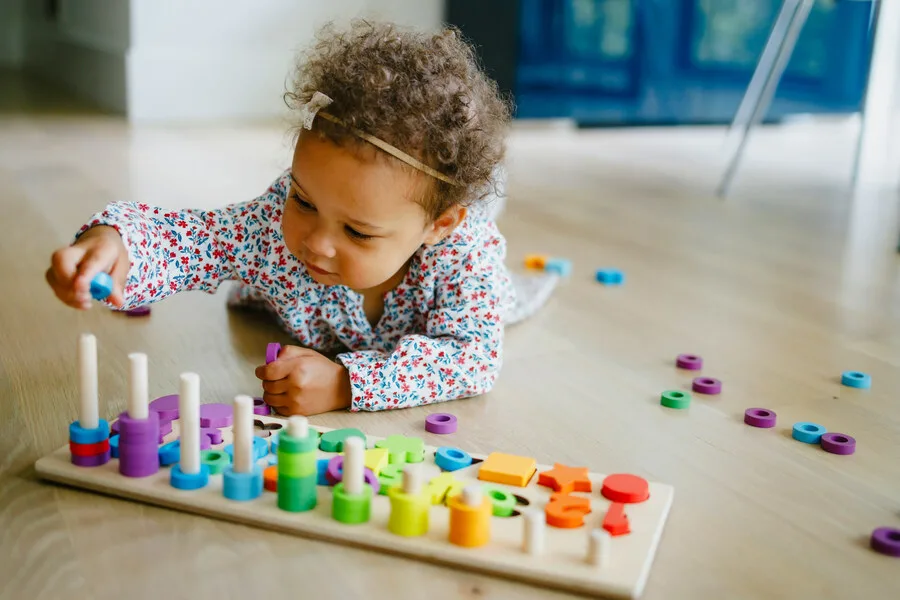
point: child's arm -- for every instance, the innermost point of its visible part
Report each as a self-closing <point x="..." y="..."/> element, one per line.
<point x="171" y="251"/>
<point x="461" y="351"/>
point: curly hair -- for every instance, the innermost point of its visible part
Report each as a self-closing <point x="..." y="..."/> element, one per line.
<point x="423" y="93"/>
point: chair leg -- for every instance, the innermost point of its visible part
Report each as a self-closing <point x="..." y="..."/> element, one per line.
<point x="766" y="76"/>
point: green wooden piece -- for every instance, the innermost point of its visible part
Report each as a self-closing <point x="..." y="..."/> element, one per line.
<point x="333" y="441"/>
<point x="402" y="449"/>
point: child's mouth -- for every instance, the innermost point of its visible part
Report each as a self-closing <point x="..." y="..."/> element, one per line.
<point x="316" y="269"/>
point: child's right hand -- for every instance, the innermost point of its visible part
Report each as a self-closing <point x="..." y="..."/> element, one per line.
<point x="72" y="268"/>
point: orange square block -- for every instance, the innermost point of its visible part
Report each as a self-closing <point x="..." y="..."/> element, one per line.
<point x="508" y="469"/>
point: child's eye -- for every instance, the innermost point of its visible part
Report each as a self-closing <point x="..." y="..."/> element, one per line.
<point x="301" y="202"/>
<point x="355" y="234"/>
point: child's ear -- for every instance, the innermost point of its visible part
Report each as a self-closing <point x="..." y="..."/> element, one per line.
<point x="445" y="224"/>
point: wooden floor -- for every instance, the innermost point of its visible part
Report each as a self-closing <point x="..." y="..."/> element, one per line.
<point x="780" y="289"/>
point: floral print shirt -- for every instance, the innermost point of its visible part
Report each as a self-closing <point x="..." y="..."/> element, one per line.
<point x="441" y="334"/>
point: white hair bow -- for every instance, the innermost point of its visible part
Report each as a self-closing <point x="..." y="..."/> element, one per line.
<point x="315" y="104"/>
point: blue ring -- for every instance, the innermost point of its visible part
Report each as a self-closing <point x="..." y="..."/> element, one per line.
<point x="169" y="453"/>
<point x="101" y="286"/>
<point x="183" y="481"/>
<point x="446" y="462"/>
<point x="260" y="448"/>
<point x="80" y="435"/>
<point x="856" y="379"/>
<point x="610" y="276"/>
<point x="802" y="434"/>
<point x="114" y="446"/>
<point x="321" y="470"/>
<point x="560" y="266"/>
<point x="242" y="486"/>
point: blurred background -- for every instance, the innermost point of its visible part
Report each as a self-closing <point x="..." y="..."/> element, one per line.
<point x="589" y="63"/>
<point x="599" y="62"/>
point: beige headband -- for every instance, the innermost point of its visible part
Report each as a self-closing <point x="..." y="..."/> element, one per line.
<point x="320" y="100"/>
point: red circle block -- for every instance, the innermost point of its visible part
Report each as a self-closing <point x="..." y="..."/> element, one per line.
<point x="89" y="449"/>
<point x="629" y="489"/>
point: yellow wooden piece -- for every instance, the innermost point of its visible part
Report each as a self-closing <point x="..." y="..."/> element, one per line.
<point x="443" y="486"/>
<point x="376" y="459"/>
<point x="508" y="469"/>
<point x="470" y="526"/>
<point x="535" y="261"/>
<point x="409" y="512"/>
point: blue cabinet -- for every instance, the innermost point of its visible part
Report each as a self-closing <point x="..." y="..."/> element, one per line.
<point x="681" y="61"/>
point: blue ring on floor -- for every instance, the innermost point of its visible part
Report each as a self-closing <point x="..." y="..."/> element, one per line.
<point x="856" y="379"/>
<point x="242" y="486"/>
<point x="808" y="433"/>
<point x="610" y="276"/>
<point x="560" y="266"/>
<point x="184" y="481"/>
<point x="80" y="435"/>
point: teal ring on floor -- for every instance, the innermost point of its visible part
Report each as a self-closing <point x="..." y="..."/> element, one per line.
<point x="856" y="379"/>
<point x="808" y="433"/>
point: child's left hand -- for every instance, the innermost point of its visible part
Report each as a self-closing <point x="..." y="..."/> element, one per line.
<point x="304" y="382"/>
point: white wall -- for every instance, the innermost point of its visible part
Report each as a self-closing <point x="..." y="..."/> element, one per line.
<point x="202" y="62"/>
<point x="83" y="50"/>
<point x="12" y="28"/>
<point x="185" y="60"/>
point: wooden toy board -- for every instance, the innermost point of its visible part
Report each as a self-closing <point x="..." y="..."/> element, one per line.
<point x="563" y="564"/>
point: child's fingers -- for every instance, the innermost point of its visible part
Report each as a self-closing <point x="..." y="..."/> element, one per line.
<point x="276" y="387"/>
<point x="63" y="291"/>
<point x="99" y="257"/>
<point x="280" y="369"/>
<point x="276" y="400"/>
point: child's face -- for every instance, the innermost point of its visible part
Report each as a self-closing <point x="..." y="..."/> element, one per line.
<point x="352" y="218"/>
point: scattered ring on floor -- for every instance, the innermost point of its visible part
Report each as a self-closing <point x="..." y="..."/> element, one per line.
<point x="808" y="433"/>
<point x="760" y="417"/>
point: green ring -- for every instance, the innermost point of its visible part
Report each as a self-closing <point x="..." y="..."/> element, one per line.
<point x="675" y="399"/>
<point x="216" y="460"/>
<point x="503" y="503"/>
<point x="348" y="508"/>
<point x="296" y="464"/>
<point x="295" y="445"/>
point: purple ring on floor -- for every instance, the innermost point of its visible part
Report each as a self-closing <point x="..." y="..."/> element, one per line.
<point x="334" y="474"/>
<point x="707" y="385"/>
<point x="691" y="362"/>
<point x="140" y="311"/>
<point x="272" y="351"/>
<point x="760" y="417"/>
<point x="92" y="460"/>
<point x="837" y="443"/>
<point x="441" y="423"/>
<point x="886" y="540"/>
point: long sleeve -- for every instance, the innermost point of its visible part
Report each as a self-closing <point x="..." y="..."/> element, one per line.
<point x="459" y="354"/>
<point x="172" y="251"/>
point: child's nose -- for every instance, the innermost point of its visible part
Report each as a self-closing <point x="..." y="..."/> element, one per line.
<point x="318" y="242"/>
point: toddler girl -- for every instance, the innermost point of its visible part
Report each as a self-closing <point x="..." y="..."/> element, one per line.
<point x="377" y="244"/>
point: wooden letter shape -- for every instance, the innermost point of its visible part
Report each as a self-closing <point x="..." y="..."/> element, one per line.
<point x="616" y="521"/>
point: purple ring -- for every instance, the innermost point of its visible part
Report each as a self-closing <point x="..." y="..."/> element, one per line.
<point x="138" y="429"/>
<point x="216" y="415"/>
<point x="760" y="417"/>
<point x="140" y="311"/>
<point x="334" y="474"/>
<point x="440" y="423"/>
<point x="272" y="351"/>
<point x="92" y="460"/>
<point x="707" y="385"/>
<point x="260" y="407"/>
<point x="886" y="540"/>
<point x="838" y="443"/>
<point x="690" y="362"/>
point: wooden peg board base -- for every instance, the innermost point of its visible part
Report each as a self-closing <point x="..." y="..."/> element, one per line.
<point x="563" y="564"/>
